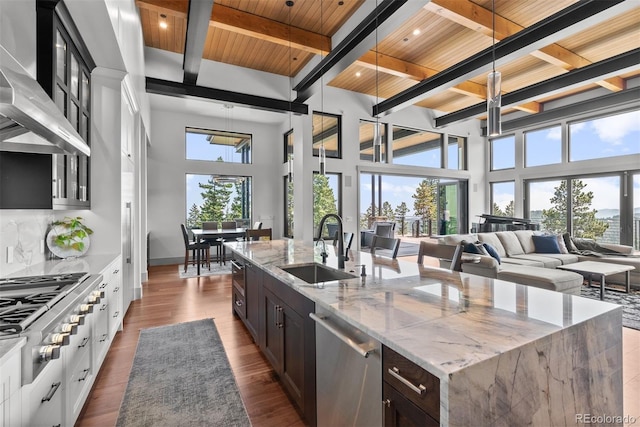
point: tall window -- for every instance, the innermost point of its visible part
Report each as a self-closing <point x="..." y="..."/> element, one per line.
<point x="615" y="135"/>
<point x="217" y="198"/>
<point x="457" y="153"/>
<point x="543" y="146"/>
<point x="503" y="153"/>
<point x="502" y="198"/>
<point x="326" y="200"/>
<point x="288" y="207"/>
<point x="367" y="133"/>
<point x="327" y="131"/>
<point x="417" y="147"/>
<point x="218" y="146"/>
<point x="548" y="205"/>
<point x="288" y="145"/>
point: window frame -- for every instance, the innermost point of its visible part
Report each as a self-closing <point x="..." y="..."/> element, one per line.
<point x="338" y="154"/>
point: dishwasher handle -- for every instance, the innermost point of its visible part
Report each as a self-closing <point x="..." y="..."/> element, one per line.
<point x="321" y="321"/>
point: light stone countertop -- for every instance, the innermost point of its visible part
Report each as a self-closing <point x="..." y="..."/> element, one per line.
<point x="443" y="321"/>
<point x="92" y="264"/>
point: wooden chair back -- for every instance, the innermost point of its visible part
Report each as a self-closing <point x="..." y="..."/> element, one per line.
<point x="209" y="225"/>
<point x="228" y="225"/>
<point x="258" y="234"/>
<point x="389" y="243"/>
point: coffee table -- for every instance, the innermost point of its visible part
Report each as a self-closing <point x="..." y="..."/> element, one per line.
<point x="594" y="269"/>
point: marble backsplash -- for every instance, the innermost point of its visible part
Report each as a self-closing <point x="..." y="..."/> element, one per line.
<point x="25" y="231"/>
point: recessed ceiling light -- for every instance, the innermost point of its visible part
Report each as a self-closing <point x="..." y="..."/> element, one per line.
<point x="358" y="74"/>
<point x="289" y="3"/>
<point x="416" y="31"/>
<point x="163" y="21"/>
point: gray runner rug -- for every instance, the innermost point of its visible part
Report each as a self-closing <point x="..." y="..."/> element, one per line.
<point x="181" y="377"/>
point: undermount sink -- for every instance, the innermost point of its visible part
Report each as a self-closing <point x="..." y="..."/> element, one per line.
<point x="315" y="273"/>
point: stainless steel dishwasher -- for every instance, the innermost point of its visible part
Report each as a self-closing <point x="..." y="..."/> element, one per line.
<point x="348" y="374"/>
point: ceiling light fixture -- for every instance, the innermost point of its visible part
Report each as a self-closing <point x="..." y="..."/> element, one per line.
<point x="289" y="4"/>
<point x="416" y="31"/>
<point x="163" y="21"/>
<point x="494" y="81"/>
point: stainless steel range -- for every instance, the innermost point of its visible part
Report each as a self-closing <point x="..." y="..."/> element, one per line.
<point x="45" y="310"/>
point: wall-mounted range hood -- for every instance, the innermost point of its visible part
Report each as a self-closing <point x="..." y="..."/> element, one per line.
<point x="30" y="122"/>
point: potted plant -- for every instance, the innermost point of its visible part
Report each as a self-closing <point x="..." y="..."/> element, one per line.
<point x="69" y="237"/>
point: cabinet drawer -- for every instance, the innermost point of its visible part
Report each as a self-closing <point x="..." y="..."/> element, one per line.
<point x="238" y="303"/>
<point x="416" y="384"/>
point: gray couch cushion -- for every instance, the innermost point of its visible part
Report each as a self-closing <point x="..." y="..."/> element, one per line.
<point x="493" y="240"/>
<point x="510" y="242"/>
<point x="454" y="239"/>
<point x="524" y="236"/>
<point x="548" y="262"/>
<point x="545" y="278"/>
<point x="564" y="258"/>
<point x="519" y="261"/>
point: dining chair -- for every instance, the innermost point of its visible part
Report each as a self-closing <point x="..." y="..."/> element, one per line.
<point x="213" y="225"/>
<point x="448" y="256"/>
<point x="193" y="247"/>
<point x="258" y="234"/>
<point x="228" y="225"/>
<point x="386" y="243"/>
<point x="224" y="225"/>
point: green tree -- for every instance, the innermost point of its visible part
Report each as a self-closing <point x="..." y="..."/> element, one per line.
<point x="215" y="199"/>
<point x="387" y="211"/>
<point x="365" y="219"/>
<point x="585" y="223"/>
<point x="236" y="204"/>
<point x="509" y="209"/>
<point x="496" y="210"/>
<point x="401" y="213"/>
<point x="324" y="201"/>
<point x="290" y="206"/>
<point x="193" y="220"/>
<point x="425" y="199"/>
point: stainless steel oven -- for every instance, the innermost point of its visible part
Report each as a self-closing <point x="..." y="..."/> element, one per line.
<point x="47" y="310"/>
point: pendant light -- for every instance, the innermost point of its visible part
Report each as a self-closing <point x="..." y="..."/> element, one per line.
<point x="494" y="83"/>
<point x="322" y="155"/>
<point x="289" y="4"/>
<point x="377" y="138"/>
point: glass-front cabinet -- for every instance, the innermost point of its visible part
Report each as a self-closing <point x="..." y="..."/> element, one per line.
<point x="64" y="71"/>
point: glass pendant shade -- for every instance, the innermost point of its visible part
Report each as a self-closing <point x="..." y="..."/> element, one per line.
<point x="323" y="160"/>
<point x="377" y="144"/>
<point x="290" y="168"/>
<point x="494" y="100"/>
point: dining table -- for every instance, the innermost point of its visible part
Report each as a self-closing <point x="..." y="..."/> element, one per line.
<point x="210" y="234"/>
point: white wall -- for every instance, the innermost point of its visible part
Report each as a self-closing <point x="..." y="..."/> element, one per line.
<point x="167" y="167"/>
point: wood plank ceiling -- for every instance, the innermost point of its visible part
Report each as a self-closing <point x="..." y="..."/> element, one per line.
<point x="267" y="35"/>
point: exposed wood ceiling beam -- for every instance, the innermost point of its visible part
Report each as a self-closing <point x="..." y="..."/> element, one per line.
<point x="251" y="25"/>
<point x="181" y="90"/>
<point x="479" y="19"/>
<point x="197" y="28"/>
<point x="240" y="22"/>
<point x="397" y="67"/>
<point x="379" y="15"/>
<point x="622" y="63"/>
<point x="568" y="21"/>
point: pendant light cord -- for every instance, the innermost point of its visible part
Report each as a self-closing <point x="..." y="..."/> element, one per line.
<point x="493" y="37"/>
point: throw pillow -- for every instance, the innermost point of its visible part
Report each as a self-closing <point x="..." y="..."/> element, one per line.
<point x="492" y="251"/>
<point x="569" y="243"/>
<point x="561" y="244"/>
<point x="546" y="244"/>
<point x="473" y="248"/>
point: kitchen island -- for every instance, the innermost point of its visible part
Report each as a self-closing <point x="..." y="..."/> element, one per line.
<point x="504" y="353"/>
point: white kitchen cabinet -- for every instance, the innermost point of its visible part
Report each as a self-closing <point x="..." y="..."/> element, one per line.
<point x="113" y="276"/>
<point x="79" y="370"/>
<point x="10" y="369"/>
<point x="43" y="399"/>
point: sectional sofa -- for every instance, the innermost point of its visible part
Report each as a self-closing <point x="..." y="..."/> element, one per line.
<point x="520" y="261"/>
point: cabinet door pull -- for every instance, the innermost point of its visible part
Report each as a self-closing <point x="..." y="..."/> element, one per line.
<point x="84" y="377"/>
<point x="281" y="322"/>
<point x="239" y="303"/>
<point x="52" y="391"/>
<point x="275" y="314"/>
<point x="104" y="337"/>
<point x="116" y="314"/>
<point x="84" y="342"/>
<point x="395" y="372"/>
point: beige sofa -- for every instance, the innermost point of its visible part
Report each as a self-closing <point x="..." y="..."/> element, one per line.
<point x="520" y="262"/>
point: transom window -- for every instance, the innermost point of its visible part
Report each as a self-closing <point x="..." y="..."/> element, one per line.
<point x="218" y="146"/>
<point x="327" y="132"/>
<point x="615" y="135"/>
<point x="415" y="147"/>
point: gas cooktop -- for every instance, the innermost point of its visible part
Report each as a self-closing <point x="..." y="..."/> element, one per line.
<point x="24" y="299"/>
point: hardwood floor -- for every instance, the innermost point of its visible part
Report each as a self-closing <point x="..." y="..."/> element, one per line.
<point x="169" y="299"/>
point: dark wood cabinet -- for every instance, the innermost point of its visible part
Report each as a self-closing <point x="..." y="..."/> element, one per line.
<point x="253" y="296"/>
<point x="410" y="394"/>
<point x="277" y="317"/>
